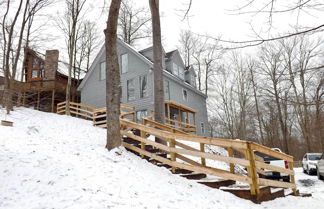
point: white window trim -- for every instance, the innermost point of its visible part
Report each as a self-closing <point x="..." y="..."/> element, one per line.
<point x="121" y="63"/>
<point x="100" y="72"/>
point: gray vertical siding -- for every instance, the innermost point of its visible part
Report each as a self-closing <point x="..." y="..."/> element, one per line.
<point x="93" y="91"/>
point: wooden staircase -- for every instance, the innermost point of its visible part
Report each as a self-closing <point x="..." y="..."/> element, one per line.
<point x="184" y="155"/>
<point x="267" y="193"/>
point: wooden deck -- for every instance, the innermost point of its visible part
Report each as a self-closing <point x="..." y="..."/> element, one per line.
<point x="178" y="154"/>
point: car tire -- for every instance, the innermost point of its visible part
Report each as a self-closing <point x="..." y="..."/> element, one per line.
<point x="319" y="175"/>
<point x="286" y="179"/>
<point x="307" y="170"/>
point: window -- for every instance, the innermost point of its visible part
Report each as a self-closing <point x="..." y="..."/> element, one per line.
<point x="140" y="115"/>
<point x="192" y="79"/>
<point x="124" y="63"/>
<point x="130" y="90"/>
<point x="102" y="71"/>
<point x="202" y="127"/>
<point x="181" y="73"/>
<point x="184" y="94"/>
<point x="34" y="73"/>
<point x="167" y="90"/>
<point x="175" y="69"/>
<point x="143" y="86"/>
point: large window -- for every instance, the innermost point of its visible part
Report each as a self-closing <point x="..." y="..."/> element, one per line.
<point x="143" y="86"/>
<point x="102" y="71"/>
<point x="184" y="94"/>
<point x="140" y="115"/>
<point x="202" y="127"/>
<point x="167" y="90"/>
<point x="124" y="63"/>
<point x="130" y="90"/>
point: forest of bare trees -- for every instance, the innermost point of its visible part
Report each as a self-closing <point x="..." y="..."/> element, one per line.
<point x="273" y="97"/>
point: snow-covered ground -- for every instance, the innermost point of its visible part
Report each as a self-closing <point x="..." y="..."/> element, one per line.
<point x="55" y="161"/>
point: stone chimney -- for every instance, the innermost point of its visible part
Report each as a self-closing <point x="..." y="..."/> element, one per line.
<point x="51" y="64"/>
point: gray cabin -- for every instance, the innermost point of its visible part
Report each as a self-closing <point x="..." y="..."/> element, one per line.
<point x="185" y="105"/>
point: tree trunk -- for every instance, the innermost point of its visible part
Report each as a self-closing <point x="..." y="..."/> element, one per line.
<point x="158" y="66"/>
<point x="112" y="78"/>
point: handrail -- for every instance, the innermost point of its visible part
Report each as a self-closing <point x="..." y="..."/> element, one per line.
<point x="253" y="164"/>
<point x="179" y="150"/>
<point x="181" y="123"/>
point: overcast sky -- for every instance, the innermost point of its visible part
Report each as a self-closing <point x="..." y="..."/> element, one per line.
<point x="212" y="17"/>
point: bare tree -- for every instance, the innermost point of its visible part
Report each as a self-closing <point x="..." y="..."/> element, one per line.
<point x="186" y="45"/>
<point x="134" y="22"/>
<point x="69" y="24"/>
<point x="113" y="83"/>
<point x="158" y="58"/>
<point x="12" y="38"/>
<point x="251" y="65"/>
<point x="271" y="64"/>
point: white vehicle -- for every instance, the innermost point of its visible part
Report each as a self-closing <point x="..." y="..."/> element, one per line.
<point x="309" y="162"/>
<point x="320" y="168"/>
<point x="276" y="162"/>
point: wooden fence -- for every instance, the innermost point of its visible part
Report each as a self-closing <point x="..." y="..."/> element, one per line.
<point x="194" y="158"/>
<point x="97" y="115"/>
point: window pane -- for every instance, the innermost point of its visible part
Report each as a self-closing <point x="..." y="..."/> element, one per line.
<point x="193" y="80"/>
<point x="143" y="86"/>
<point x="184" y="94"/>
<point x="102" y="71"/>
<point x="181" y="72"/>
<point x="202" y="125"/>
<point x="175" y="69"/>
<point x="140" y="114"/>
<point x="130" y="90"/>
<point x="167" y="90"/>
<point x="34" y="73"/>
<point x="124" y="63"/>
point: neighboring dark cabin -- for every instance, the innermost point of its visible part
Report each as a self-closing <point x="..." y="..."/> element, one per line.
<point x="44" y="85"/>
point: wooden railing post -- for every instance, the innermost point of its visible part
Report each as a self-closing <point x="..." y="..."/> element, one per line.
<point x="230" y="154"/>
<point x="202" y="149"/>
<point x="252" y="171"/>
<point x="172" y="154"/>
<point x="143" y="135"/>
<point x="292" y="177"/>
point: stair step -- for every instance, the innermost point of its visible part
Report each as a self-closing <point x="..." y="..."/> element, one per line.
<point x="196" y="176"/>
<point x="217" y="183"/>
<point x="182" y="171"/>
<point x="164" y="165"/>
<point x="130" y="141"/>
<point x="156" y="162"/>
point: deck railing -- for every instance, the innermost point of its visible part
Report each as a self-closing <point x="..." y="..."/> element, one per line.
<point x="97" y="115"/>
<point x="181" y="125"/>
<point x="196" y="159"/>
<point x="187" y="151"/>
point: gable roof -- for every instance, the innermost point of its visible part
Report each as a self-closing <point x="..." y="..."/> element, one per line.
<point x="173" y="53"/>
<point x="102" y="50"/>
<point x="169" y="54"/>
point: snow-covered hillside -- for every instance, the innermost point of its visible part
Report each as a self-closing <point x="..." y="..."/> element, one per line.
<point x="55" y="161"/>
